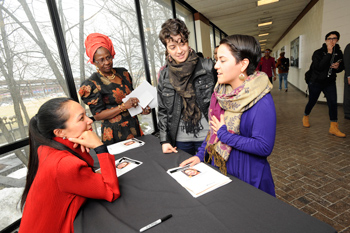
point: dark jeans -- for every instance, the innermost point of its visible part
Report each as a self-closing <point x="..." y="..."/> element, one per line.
<point x="189" y="147"/>
<point x="330" y="92"/>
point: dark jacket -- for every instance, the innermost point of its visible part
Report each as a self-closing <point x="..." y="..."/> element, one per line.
<point x="170" y="103"/>
<point x="321" y="62"/>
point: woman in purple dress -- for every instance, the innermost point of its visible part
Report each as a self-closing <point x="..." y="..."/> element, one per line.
<point x="242" y="116"/>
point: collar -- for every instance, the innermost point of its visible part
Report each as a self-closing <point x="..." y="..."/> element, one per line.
<point x="70" y="144"/>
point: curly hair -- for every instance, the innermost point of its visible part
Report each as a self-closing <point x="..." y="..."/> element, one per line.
<point x="173" y="27"/>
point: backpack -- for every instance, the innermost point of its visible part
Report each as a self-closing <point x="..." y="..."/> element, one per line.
<point x="284" y="66"/>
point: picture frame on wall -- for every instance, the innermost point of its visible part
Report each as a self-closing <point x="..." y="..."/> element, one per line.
<point x="294" y="52"/>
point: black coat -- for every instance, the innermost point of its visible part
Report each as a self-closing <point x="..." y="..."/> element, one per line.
<point x="170" y="104"/>
<point x="321" y="62"/>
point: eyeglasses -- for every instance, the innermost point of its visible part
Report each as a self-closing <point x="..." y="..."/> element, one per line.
<point x="332" y="38"/>
<point x="103" y="60"/>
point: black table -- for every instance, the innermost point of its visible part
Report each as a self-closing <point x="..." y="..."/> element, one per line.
<point x="149" y="193"/>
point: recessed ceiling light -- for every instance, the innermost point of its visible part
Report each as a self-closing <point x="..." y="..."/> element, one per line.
<point x="262" y="40"/>
<point x="265" y="34"/>
<point x="264" y="24"/>
<point x="264" y="2"/>
<point x="262" y="44"/>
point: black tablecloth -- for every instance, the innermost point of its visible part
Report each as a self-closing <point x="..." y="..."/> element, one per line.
<point x="149" y="193"/>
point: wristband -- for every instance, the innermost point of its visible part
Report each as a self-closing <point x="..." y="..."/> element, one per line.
<point x="101" y="149"/>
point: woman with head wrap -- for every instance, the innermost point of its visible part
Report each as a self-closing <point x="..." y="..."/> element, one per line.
<point x="104" y="90"/>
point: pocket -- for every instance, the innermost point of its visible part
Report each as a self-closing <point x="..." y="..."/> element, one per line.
<point x="168" y="96"/>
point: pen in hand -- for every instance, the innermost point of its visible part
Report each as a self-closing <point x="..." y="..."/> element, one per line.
<point x="155" y="223"/>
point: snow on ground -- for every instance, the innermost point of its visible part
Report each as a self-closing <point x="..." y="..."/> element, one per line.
<point x="9" y="206"/>
<point x="9" y="201"/>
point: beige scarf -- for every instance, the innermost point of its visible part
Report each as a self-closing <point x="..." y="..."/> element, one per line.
<point x="232" y="103"/>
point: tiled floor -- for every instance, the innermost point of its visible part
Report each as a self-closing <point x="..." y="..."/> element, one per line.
<point x="311" y="168"/>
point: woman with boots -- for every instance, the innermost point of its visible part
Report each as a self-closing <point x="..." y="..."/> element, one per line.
<point x="326" y="62"/>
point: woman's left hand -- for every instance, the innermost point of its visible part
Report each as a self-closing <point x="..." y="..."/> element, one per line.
<point x="88" y="139"/>
<point x="216" y="124"/>
<point x="146" y="111"/>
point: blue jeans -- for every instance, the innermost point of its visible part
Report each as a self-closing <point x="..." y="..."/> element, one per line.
<point x="284" y="76"/>
<point x="330" y="92"/>
<point x="189" y="147"/>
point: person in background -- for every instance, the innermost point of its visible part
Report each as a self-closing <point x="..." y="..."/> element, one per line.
<point x="326" y="62"/>
<point x="267" y="65"/>
<point x="346" y="103"/>
<point x="60" y="171"/>
<point x="283" y="68"/>
<point x="184" y="89"/>
<point x="242" y="116"/>
<point x="200" y="54"/>
<point x="104" y="91"/>
<point x="216" y="53"/>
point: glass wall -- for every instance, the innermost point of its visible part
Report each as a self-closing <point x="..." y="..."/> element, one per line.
<point x="115" y="18"/>
<point x="154" y="14"/>
<point x="212" y="45"/>
<point x="30" y="74"/>
<point x="186" y="15"/>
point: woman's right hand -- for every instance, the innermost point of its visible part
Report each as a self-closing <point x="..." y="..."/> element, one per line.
<point x="168" y="148"/>
<point x="192" y="161"/>
<point x="88" y="139"/>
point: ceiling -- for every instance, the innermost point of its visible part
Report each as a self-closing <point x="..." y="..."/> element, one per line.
<point x="243" y="16"/>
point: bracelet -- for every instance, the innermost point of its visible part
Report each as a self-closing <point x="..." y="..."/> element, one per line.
<point x="124" y="107"/>
<point x="120" y="109"/>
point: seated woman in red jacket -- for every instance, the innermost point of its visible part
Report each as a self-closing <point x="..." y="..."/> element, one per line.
<point x="60" y="171"/>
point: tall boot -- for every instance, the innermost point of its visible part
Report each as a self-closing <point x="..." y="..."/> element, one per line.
<point x="306" y="121"/>
<point x="335" y="130"/>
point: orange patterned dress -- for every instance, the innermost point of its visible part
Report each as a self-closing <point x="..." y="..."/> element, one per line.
<point x="99" y="93"/>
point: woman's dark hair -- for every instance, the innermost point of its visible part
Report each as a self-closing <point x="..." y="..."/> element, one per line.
<point x="244" y="46"/>
<point x="332" y="32"/>
<point x="173" y="27"/>
<point x="52" y="115"/>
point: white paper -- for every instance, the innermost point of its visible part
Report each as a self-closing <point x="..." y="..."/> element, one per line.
<point x="125" y="164"/>
<point x="203" y="179"/>
<point x="122" y="146"/>
<point x="147" y="95"/>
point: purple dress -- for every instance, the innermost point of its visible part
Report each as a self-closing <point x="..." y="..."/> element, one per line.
<point x="248" y="158"/>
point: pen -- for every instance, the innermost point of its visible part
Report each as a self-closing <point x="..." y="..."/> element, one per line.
<point x="155" y="223"/>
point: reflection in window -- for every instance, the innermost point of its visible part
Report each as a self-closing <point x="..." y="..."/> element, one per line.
<point x="114" y="18"/>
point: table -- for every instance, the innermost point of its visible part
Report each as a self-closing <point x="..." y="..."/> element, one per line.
<point x="149" y="193"/>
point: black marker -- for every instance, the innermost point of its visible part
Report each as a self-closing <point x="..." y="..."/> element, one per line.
<point x="155" y="223"/>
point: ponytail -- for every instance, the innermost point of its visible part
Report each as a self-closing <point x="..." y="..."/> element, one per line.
<point x="51" y="116"/>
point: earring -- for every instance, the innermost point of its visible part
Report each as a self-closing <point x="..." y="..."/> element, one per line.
<point x="241" y="76"/>
<point x="64" y="138"/>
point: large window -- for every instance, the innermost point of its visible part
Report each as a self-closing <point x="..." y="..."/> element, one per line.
<point x="30" y="74"/>
<point x="184" y="14"/>
<point x="154" y="14"/>
<point x="115" y="18"/>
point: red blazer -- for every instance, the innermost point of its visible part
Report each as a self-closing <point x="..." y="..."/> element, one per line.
<point x="61" y="186"/>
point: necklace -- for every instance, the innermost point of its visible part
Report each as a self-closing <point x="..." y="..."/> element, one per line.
<point x="111" y="77"/>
